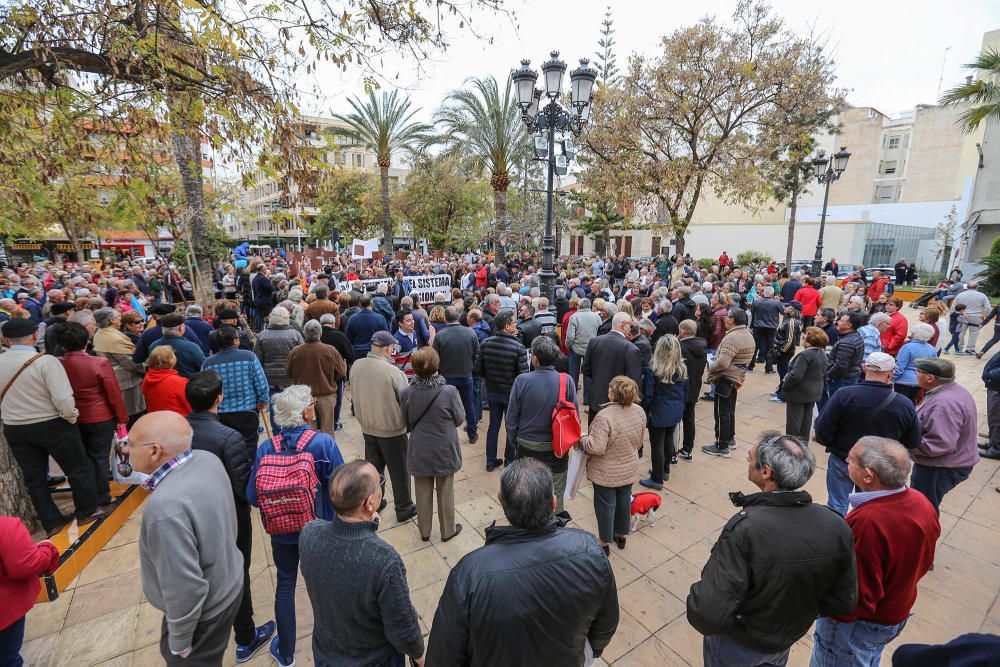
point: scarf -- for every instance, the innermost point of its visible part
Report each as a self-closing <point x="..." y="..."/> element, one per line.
<point x="427" y="383"/>
<point x="112" y="341"/>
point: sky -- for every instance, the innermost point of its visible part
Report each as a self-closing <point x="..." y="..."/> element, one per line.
<point x="889" y="55"/>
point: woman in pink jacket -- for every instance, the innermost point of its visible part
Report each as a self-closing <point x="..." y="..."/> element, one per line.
<point x="21" y="563"/>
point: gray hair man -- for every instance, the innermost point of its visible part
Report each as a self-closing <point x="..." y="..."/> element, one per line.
<point x="895" y="530"/>
<point x="321" y="367"/>
<point x="608" y="356"/>
<point x="581" y="327"/>
<point x="977" y="305"/>
<point x="753" y="620"/>
<point x="560" y="573"/>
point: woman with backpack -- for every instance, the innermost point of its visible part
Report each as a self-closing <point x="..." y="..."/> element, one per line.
<point x="433" y="412"/>
<point x="298" y="457"/>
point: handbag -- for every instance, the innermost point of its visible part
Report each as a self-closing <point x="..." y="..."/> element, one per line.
<point x="122" y="469"/>
<point x="576" y="470"/>
<point x="426" y="410"/>
<point x="566" y="429"/>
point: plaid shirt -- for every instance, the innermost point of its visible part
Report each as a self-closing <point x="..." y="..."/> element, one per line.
<point x="157" y="475"/>
<point x="244" y="384"/>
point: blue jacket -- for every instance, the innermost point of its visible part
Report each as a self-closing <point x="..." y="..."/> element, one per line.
<point x="189" y="355"/>
<point x="326" y="458"/>
<point x="150" y="336"/>
<point x="906" y="371"/>
<point x="664" y="403"/>
<point x="360" y="329"/>
<point x="202" y="330"/>
<point x="244" y="384"/>
<point x="846" y="417"/>
<point x="991" y="373"/>
<point x="532" y="400"/>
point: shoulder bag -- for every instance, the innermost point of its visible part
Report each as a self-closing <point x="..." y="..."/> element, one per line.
<point x="18" y="374"/>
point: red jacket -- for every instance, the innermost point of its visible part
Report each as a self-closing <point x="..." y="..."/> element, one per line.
<point x="164" y="390"/>
<point x="809" y="297"/>
<point x="482" y="276"/>
<point x="894" y="538"/>
<point x="21" y="563"/>
<point x="95" y="388"/>
<point x="876" y="288"/>
<point x="562" y="332"/>
<point x="723" y="260"/>
<point x="894" y="337"/>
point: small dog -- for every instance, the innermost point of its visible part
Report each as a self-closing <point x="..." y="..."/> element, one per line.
<point x="644" y="506"/>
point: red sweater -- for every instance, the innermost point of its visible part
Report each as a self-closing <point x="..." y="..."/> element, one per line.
<point x="164" y="390"/>
<point x="894" y="337"/>
<point x="810" y="299"/>
<point x="21" y="563"/>
<point x="95" y="388"/>
<point x="894" y="538"/>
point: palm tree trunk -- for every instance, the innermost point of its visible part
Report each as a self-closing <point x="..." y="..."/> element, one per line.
<point x="500" y="212"/>
<point x="386" y="217"/>
<point x="792" y="207"/>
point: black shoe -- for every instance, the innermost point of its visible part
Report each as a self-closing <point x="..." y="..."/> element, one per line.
<point x="96" y="516"/>
<point x="651" y="484"/>
<point x="382" y="505"/>
<point x="474" y="438"/>
<point x="686" y="455"/>
<point x="403" y="518"/>
<point x="56" y="480"/>
<point x="673" y="460"/>
<point x="50" y="532"/>
<point x="991" y="454"/>
<point x="490" y="467"/>
<point x="983" y="445"/>
<point x="564" y="515"/>
<point x="458" y="529"/>
<point x="620" y="541"/>
<point x="607" y="550"/>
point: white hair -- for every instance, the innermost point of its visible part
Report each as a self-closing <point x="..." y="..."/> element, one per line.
<point x="312" y="331"/>
<point x="290" y="404"/>
<point x="194" y="310"/>
<point x="922" y="331"/>
<point x="279" y="317"/>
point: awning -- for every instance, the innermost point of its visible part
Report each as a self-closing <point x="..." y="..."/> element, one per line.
<point x="26" y="246"/>
<point x="85" y="245"/>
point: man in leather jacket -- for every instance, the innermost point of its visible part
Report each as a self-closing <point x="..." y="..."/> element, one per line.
<point x="535" y="594"/>
<point x="779" y="563"/>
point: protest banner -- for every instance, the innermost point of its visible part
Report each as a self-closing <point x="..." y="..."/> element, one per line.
<point x="422" y="288"/>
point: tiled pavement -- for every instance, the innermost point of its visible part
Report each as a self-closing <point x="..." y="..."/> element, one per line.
<point x="105" y="620"/>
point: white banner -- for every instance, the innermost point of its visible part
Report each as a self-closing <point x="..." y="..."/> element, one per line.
<point x="422" y="288"/>
<point x="363" y="249"/>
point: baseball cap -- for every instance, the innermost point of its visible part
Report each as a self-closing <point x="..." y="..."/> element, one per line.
<point x="382" y="339"/>
<point x="941" y="368"/>
<point x="880" y="361"/>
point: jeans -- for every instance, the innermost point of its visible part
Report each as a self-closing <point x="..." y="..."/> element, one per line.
<point x="498" y="407"/>
<point x="11" y="639"/>
<point x="721" y="651"/>
<point x="831" y="387"/>
<point x="689" y="427"/>
<point x="613" y="508"/>
<point x="857" y="644"/>
<point x="934" y="482"/>
<point x="575" y="364"/>
<point x="784" y="361"/>
<point x="286" y="560"/>
<point x="243" y="625"/>
<point x="661" y="445"/>
<point x="97" y="439"/>
<point x="955" y="342"/>
<point x="838" y="485"/>
<point x="992" y="341"/>
<point x="464" y="386"/>
<point x="764" y="339"/>
<point x="478" y="397"/>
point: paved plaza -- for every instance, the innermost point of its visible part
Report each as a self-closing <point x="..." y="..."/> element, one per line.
<point x="104" y="618"/>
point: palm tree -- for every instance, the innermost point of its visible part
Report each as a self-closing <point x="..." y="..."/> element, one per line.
<point x="485" y="124"/>
<point x="383" y="126"/>
<point x="981" y="93"/>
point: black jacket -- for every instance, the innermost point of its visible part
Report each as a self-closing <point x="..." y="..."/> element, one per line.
<point x="211" y="435"/>
<point x="458" y="348"/>
<point x="695" y="358"/>
<point x="665" y="324"/>
<point x="846" y="417"/>
<point x="766" y="313"/>
<point x="605" y="327"/>
<point x="803" y="382"/>
<point x="530" y="329"/>
<point x="991" y="373"/>
<point x="335" y="338"/>
<point x="846" y="357"/>
<point x="526" y="598"/>
<point x="683" y="309"/>
<point x="501" y="359"/>
<point x="779" y="563"/>
<point x="787" y="337"/>
<point x="608" y="356"/>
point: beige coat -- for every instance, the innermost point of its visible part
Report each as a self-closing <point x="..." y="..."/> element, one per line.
<point x="613" y="444"/>
<point x="375" y="389"/>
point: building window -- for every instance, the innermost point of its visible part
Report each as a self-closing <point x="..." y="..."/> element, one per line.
<point x="889" y="167"/>
<point x="893" y="142"/>
<point x="885" y="193"/>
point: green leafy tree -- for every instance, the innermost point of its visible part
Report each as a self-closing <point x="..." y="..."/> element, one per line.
<point x="384" y="125"/>
<point x="483" y="124"/>
<point x="350" y="201"/>
<point x="981" y="95"/>
<point x="444" y="204"/>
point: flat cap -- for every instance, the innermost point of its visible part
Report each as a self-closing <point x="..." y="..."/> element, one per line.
<point x="941" y="368"/>
<point x="382" y="339"/>
<point x="20" y="327"/>
<point x="795" y="304"/>
<point x="62" y="307"/>
<point x="162" y="309"/>
<point x="229" y="314"/>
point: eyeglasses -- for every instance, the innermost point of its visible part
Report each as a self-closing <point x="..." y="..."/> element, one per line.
<point x="125" y="467"/>
<point x="381" y="483"/>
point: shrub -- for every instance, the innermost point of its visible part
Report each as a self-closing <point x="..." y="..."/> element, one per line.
<point x="753" y="257"/>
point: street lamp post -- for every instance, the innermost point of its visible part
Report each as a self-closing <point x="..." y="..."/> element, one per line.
<point x="827" y="170"/>
<point x="545" y="123"/>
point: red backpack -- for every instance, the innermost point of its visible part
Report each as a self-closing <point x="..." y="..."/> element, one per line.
<point x="566" y="427"/>
<point x="286" y="486"/>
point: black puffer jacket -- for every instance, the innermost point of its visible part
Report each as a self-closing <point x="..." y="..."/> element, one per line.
<point x="846" y="356"/>
<point x="526" y="598"/>
<point x="781" y="562"/>
<point x="695" y="358"/>
<point x="211" y="435"/>
<point x="501" y="359"/>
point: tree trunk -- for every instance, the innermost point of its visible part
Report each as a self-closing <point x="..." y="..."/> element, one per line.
<point x="74" y="239"/>
<point x="793" y="206"/>
<point x="607" y="237"/>
<point x="187" y="154"/>
<point x="500" y="212"/>
<point x="14" y="499"/>
<point x="674" y="226"/>
<point x="386" y="217"/>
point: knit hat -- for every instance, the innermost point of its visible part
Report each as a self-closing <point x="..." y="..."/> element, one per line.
<point x="880" y="361"/>
<point x="20" y="327"/>
<point x="62" y="307"/>
<point x="939" y="368"/>
<point x="382" y="339"/>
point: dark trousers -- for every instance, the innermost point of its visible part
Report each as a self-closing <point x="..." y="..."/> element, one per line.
<point x="575" y="364"/>
<point x="243" y="623"/>
<point x="465" y="391"/>
<point x="209" y="643"/>
<point x="613" y="507"/>
<point x="246" y="424"/>
<point x="11" y="640"/>
<point x="689" y="426"/>
<point x="32" y="445"/>
<point x="661" y="446"/>
<point x="798" y="420"/>
<point x="764" y="339"/>
<point x="498" y="407"/>
<point x="725" y="419"/>
<point x="784" y="360"/>
<point x="97" y="439"/>
<point x="992" y="341"/>
<point x="830" y="387"/>
<point x="934" y="482"/>
<point x="909" y="390"/>
<point x="807" y="321"/>
<point x="955" y="342"/>
<point x="391" y="453"/>
<point x="286" y="561"/>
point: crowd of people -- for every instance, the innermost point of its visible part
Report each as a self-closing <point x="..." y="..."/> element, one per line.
<point x="90" y="354"/>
